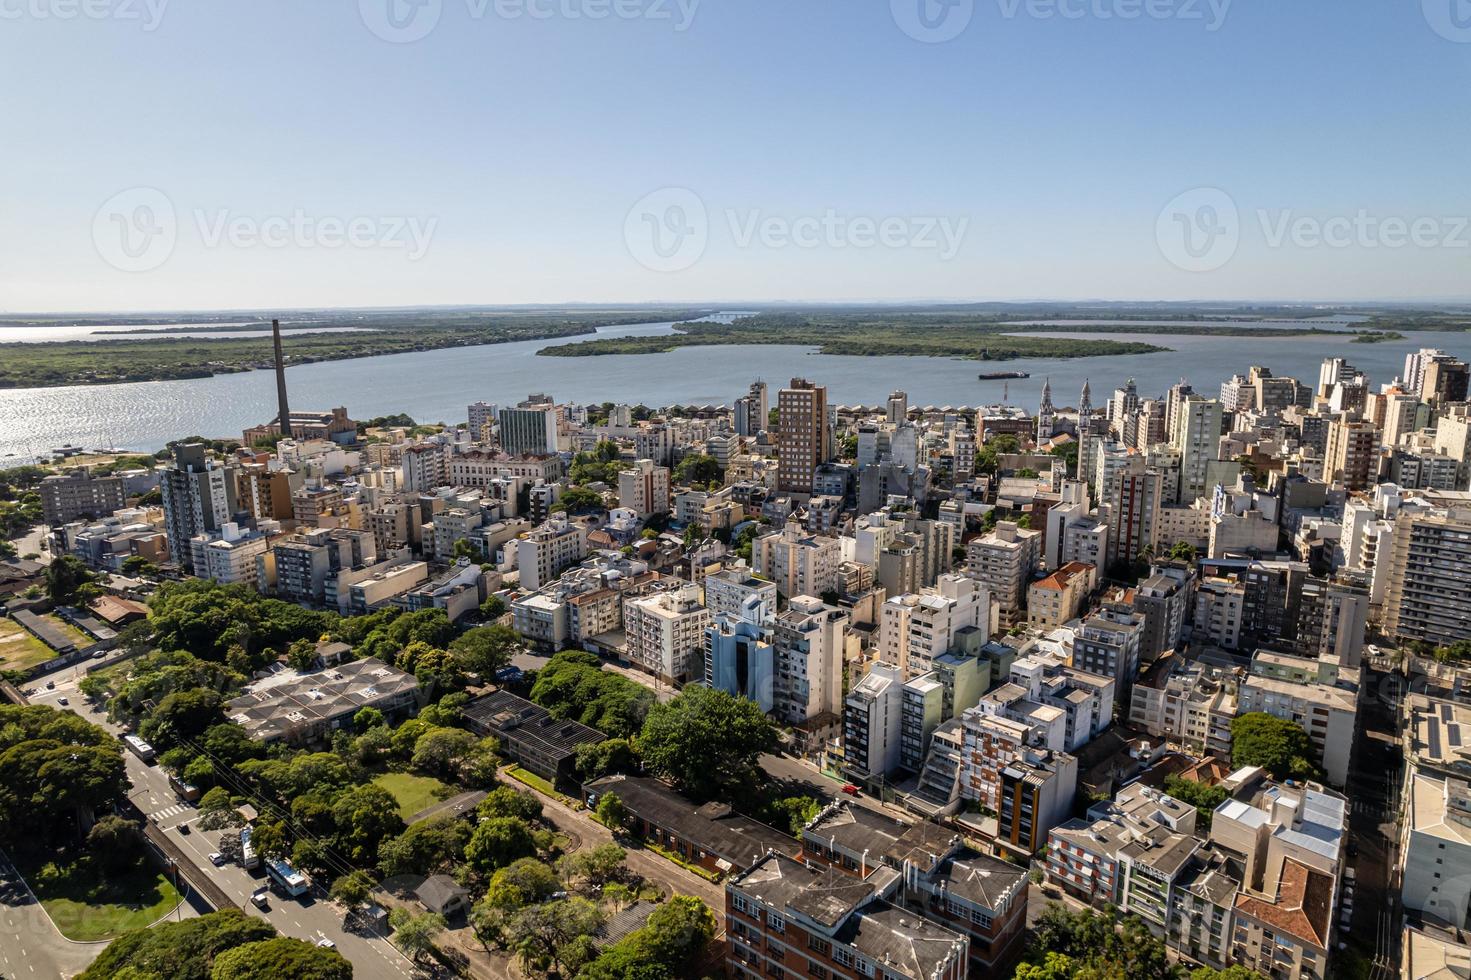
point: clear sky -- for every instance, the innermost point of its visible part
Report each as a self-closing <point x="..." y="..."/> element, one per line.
<point x="206" y="155"/>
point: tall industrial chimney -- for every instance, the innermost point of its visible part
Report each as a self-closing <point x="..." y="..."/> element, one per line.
<point x="285" y="410"/>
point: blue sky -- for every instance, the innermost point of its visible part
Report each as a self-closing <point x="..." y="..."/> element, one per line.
<point x="498" y="158"/>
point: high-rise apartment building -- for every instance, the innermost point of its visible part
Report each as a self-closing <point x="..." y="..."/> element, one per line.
<point x="644" y="488"/>
<point x="809" y="639"/>
<point x="77" y="493"/>
<point x="803" y="440"/>
<point x="199" y="497"/>
<point x="1352" y="458"/>
<point x="1429" y="592"/>
<point x="1198" y="438"/>
<point x="529" y="430"/>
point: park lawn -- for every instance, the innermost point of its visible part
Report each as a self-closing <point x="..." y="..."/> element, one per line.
<point x="88" y="906"/>
<point x="414" y="793"/>
<point x="20" y="650"/>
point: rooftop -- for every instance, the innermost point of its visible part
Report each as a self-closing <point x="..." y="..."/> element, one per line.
<point x="287" y="702"/>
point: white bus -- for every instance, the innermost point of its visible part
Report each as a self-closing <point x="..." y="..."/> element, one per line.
<point x="139" y="748"/>
<point x="292" y="882"/>
<point x="249" y="860"/>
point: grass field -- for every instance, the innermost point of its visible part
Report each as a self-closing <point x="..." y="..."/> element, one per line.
<point x="414" y="793"/>
<point x="20" y="650"/>
<point x="89" y="907"/>
<point x="77" y="636"/>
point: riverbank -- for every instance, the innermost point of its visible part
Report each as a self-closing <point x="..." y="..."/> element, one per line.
<point x="49" y="364"/>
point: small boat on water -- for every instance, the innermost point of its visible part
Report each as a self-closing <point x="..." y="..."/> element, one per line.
<point x="1005" y="375"/>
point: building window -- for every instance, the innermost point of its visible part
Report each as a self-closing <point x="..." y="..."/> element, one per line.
<point x="843" y="957"/>
<point x="775" y="922"/>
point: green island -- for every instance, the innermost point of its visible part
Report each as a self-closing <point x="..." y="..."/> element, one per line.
<point x="48" y="364"/>
<point x="979" y="338"/>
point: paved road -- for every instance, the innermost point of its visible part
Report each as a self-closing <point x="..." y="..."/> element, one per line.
<point x="645" y="863"/>
<point x="308" y="918"/>
<point x="30" y="946"/>
<point x="825" y="788"/>
<point x="1375" y="783"/>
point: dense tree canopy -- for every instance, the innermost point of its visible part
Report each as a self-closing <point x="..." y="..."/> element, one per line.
<point x="210" y="620"/>
<point x="575" y="685"/>
<point x="181" y="950"/>
<point x="1068" y="944"/>
<point x="272" y="959"/>
<point x="706" y="741"/>
<point x="54" y="766"/>
<point x="1279" y="746"/>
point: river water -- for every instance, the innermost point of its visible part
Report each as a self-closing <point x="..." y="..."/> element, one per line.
<point x="436" y="386"/>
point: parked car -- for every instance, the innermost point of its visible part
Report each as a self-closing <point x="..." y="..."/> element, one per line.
<point x="851" y="790"/>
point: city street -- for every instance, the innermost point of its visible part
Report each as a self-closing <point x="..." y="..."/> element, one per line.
<point x="30" y="946"/>
<point x="310" y="917"/>
<point x="1374" y="789"/>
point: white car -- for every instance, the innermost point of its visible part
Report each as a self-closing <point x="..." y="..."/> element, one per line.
<point x="325" y="943"/>
<point x="216" y="858"/>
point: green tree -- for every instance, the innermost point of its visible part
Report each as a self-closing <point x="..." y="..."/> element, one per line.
<point x="1205" y="798"/>
<point x="593" y="867"/>
<point x="706" y="740"/>
<point x="1279" y="746"/>
<point x="497" y="842"/>
<point x="697" y="468"/>
<point x="115" y="842"/>
<point x="523" y="882"/>
<point x="492" y="609"/>
<point x="272" y="959"/>
<point x="65" y="577"/>
<point x="353" y="889"/>
<point x="441" y="752"/>
<point x="427" y="847"/>
<point x="367" y="718"/>
<point x="182" y="716"/>
<point x="486" y="649"/>
<point x="415" y="934"/>
<point x="612" y="755"/>
<point x="541" y="934"/>
<point x="365" y="815"/>
<point x="503" y="801"/>
<point x="611" y="812"/>
<point x="181" y="950"/>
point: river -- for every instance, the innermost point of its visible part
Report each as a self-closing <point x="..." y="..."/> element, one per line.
<point x="436" y="386"/>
